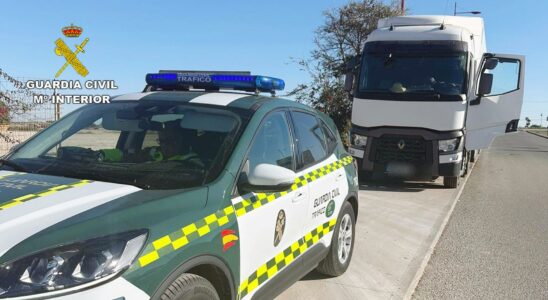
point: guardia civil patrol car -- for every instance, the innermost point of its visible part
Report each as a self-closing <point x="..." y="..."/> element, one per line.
<point x="183" y="191"/>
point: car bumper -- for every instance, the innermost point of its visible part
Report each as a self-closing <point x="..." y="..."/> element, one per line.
<point x="117" y="289"/>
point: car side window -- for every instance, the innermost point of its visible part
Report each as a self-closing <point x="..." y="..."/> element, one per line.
<point x="330" y="138"/>
<point x="310" y="139"/>
<point x="272" y="144"/>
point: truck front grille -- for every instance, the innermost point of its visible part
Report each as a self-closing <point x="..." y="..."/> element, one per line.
<point x="411" y="149"/>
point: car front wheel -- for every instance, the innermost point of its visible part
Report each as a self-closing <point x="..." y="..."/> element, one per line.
<point x="190" y="287"/>
<point x="342" y="245"/>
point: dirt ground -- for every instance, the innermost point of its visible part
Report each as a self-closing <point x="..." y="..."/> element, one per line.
<point x="19" y="136"/>
<point x="89" y="138"/>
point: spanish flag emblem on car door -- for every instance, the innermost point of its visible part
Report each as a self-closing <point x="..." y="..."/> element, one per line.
<point x="229" y="238"/>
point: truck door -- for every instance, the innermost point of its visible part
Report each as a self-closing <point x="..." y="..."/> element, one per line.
<point x="497" y="108"/>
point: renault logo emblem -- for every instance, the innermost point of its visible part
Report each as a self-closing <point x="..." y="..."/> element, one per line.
<point x="401" y="144"/>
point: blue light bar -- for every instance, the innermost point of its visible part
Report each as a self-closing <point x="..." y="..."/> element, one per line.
<point x="249" y="83"/>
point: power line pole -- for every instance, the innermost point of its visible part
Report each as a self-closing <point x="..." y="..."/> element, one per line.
<point x="455" y="9"/>
<point x="403" y="7"/>
<point x="57" y="106"/>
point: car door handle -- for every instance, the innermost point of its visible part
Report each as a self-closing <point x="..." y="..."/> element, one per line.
<point x="339" y="177"/>
<point x="298" y="196"/>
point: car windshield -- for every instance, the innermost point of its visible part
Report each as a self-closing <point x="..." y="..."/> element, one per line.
<point x="414" y="73"/>
<point x="152" y="144"/>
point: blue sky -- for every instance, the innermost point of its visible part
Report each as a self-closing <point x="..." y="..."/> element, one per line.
<point x="130" y="38"/>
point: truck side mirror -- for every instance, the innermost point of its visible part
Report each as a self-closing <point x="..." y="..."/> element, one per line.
<point x="349" y="82"/>
<point x="486" y="79"/>
<point x="485" y="84"/>
<point x="490" y="63"/>
<point x="350" y="68"/>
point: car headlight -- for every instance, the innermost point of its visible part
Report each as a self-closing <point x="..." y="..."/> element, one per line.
<point x="70" y="265"/>
<point x="358" y="141"/>
<point x="448" y="145"/>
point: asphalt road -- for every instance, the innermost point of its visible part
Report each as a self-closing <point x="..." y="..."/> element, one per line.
<point x="495" y="245"/>
<point x="396" y="226"/>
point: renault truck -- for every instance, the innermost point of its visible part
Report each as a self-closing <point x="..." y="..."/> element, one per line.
<point x="427" y="96"/>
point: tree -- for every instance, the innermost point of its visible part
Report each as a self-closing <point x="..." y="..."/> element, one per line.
<point x="340" y="38"/>
<point x="4" y="114"/>
<point x="527" y="122"/>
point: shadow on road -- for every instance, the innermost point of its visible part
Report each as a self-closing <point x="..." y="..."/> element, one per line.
<point x="314" y="275"/>
<point x="397" y="185"/>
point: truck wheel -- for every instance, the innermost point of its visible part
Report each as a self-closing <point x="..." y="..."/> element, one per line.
<point x="464" y="164"/>
<point x="192" y="287"/>
<point x="342" y="245"/>
<point x="365" y="175"/>
<point x="473" y="155"/>
<point x="451" y="181"/>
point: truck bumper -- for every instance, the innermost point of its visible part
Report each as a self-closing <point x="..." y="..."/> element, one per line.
<point x="446" y="165"/>
<point x="407" y="153"/>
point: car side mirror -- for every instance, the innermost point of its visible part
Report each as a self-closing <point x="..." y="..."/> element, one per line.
<point x="485" y="84"/>
<point x="267" y="178"/>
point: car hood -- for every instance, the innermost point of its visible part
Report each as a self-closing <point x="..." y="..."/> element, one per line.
<point x="29" y="203"/>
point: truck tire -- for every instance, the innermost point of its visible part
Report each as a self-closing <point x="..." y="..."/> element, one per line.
<point x="342" y="245"/>
<point x="364" y="175"/>
<point x="451" y="181"/>
<point x="192" y="287"/>
<point x="464" y="165"/>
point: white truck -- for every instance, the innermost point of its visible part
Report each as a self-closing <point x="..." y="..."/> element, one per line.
<point x="428" y="96"/>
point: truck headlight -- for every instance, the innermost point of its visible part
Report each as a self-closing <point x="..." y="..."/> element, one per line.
<point x="448" y="145"/>
<point x="358" y="141"/>
<point x="70" y="265"/>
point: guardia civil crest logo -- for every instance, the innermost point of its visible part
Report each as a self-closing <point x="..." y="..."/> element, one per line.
<point x="70" y="56"/>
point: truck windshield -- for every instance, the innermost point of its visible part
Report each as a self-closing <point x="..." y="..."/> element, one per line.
<point x="413" y="76"/>
<point x="152" y="144"/>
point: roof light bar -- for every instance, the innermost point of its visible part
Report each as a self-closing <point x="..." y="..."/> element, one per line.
<point x="215" y="80"/>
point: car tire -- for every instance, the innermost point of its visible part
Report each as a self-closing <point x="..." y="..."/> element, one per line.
<point x="192" y="287"/>
<point x="340" y="254"/>
<point x="451" y="182"/>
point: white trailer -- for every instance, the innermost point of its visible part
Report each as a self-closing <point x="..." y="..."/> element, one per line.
<point x="428" y="95"/>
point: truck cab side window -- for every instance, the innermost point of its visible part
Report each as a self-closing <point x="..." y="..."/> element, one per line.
<point x="310" y="139"/>
<point x="505" y="77"/>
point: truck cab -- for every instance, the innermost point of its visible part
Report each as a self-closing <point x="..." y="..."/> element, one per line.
<point x="428" y="95"/>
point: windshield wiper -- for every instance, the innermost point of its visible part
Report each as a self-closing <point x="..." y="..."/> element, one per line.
<point x="12" y="165"/>
<point x="427" y="92"/>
